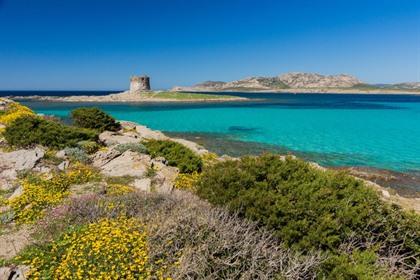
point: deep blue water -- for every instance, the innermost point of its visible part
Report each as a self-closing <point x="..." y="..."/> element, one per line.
<point x="381" y="131"/>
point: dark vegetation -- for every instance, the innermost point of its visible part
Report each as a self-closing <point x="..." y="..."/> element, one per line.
<point x="94" y="118"/>
<point x="176" y="154"/>
<point x="311" y="209"/>
<point x="33" y="130"/>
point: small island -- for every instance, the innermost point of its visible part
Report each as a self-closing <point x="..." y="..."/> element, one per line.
<point x="140" y="91"/>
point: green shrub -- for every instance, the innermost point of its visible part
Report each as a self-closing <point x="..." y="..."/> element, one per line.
<point x="32" y="130"/>
<point x="361" y="265"/>
<point x="89" y="147"/>
<point x="77" y="154"/>
<point x="176" y="154"/>
<point x="94" y="118"/>
<point x="309" y="208"/>
<point x="134" y="147"/>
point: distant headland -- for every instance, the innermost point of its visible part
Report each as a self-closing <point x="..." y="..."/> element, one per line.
<point x="297" y="82"/>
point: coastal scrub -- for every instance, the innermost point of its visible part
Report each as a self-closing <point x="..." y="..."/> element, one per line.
<point x="94" y="118"/>
<point x="41" y="191"/>
<point x="176" y="154"/>
<point x="31" y="130"/>
<point x="107" y="249"/>
<point x="13" y="112"/>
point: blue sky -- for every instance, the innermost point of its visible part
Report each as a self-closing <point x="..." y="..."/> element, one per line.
<point x="99" y="44"/>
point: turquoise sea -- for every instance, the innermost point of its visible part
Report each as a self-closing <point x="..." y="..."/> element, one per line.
<point x="380" y="131"/>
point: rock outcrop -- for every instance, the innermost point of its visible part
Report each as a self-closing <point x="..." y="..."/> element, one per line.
<point x="313" y="80"/>
<point x="13" y="162"/>
<point x="285" y="81"/>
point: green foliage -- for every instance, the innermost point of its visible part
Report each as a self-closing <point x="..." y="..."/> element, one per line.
<point x="94" y="118"/>
<point x="89" y="147"/>
<point x="362" y="265"/>
<point x="176" y="154"/>
<point x="134" y="147"/>
<point x="306" y="207"/>
<point x="32" y="130"/>
<point x="77" y="154"/>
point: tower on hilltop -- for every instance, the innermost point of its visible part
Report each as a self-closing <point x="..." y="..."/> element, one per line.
<point x="139" y="83"/>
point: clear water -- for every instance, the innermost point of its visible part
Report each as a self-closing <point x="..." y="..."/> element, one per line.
<point x="381" y="131"/>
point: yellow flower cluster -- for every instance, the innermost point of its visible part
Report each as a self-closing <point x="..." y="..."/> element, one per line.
<point x="108" y="249"/>
<point x="118" y="189"/>
<point x="209" y="158"/>
<point x="41" y="192"/>
<point x="13" y="112"/>
<point x="187" y="181"/>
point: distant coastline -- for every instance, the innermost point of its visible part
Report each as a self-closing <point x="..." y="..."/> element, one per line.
<point x="135" y="97"/>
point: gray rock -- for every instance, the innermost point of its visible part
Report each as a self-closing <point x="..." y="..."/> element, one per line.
<point x="21" y="159"/>
<point x="18" y="192"/>
<point x="128" y="164"/>
<point x="101" y="158"/>
<point x="64" y="165"/>
<point x="61" y="154"/>
<point x="147" y="133"/>
<point x="144" y="184"/>
<point x="113" y="138"/>
<point x="199" y="150"/>
<point x="128" y="125"/>
<point x="164" y="179"/>
<point x="5" y="184"/>
<point x="13" y="272"/>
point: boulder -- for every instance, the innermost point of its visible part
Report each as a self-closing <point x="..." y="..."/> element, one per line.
<point x="12" y="242"/>
<point x="147" y="133"/>
<point x="61" y="154"/>
<point x="110" y="138"/>
<point x="14" y="272"/>
<point x="101" y="158"/>
<point x="144" y="184"/>
<point x="164" y="179"/>
<point x="64" y="165"/>
<point x="128" y="125"/>
<point x="128" y="164"/>
<point x="21" y="159"/>
<point x="199" y="150"/>
<point x="11" y="163"/>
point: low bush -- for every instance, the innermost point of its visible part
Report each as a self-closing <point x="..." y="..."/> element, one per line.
<point x="311" y="209"/>
<point x="185" y="181"/>
<point x="76" y="154"/>
<point x="32" y="130"/>
<point x="134" y="147"/>
<point x="94" y="118"/>
<point x="13" y="112"/>
<point x="89" y="147"/>
<point x="41" y="192"/>
<point x="176" y="154"/>
<point x="106" y="249"/>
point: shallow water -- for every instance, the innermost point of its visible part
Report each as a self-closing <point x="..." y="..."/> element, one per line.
<point x="380" y="131"/>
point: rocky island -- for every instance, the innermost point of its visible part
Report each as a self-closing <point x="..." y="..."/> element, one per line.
<point x="303" y="83"/>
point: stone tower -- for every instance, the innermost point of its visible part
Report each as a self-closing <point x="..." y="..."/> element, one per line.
<point x="139" y="83"/>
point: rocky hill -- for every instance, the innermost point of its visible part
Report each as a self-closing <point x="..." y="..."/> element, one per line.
<point x="285" y="81"/>
<point x="302" y="82"/>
